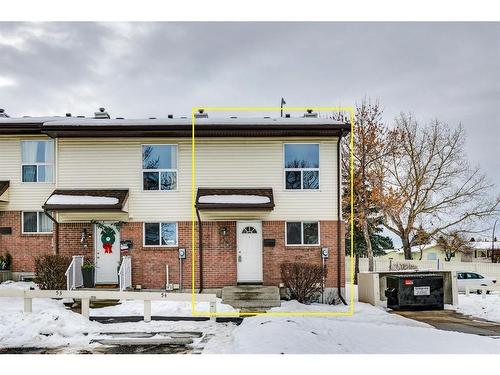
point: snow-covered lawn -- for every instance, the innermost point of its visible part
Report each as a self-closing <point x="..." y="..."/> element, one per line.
<point x="369" y="330"/>
<point x="51" y="325"/>
<point x="475" y="305"/>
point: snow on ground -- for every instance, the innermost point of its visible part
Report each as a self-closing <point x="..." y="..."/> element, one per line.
<point x="51" y="325"/>
<point x="161" y="308"/>
<point x="475" y="305"/>
<point x="370" y="330"/>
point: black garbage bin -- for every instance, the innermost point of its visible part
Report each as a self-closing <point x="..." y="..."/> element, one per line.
<point x="415" y="292"/>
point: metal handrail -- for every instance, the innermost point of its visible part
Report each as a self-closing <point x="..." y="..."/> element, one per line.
<point x="74" y="276"/>
<point x="125" y="273"/>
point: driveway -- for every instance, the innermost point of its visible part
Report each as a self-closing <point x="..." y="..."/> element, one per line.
<point x="449" y="320"/>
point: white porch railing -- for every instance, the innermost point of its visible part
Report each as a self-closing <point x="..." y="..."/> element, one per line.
<point x="125" y="273"/>
<point x="74" y="276"/>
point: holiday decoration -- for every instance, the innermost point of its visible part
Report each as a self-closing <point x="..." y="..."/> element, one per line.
<point x="108" y="235"/>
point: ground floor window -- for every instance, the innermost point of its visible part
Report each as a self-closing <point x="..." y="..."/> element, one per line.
<point x="36" y="222"/>
<point x="160" y="234"/>
<point x="302" y="233"/>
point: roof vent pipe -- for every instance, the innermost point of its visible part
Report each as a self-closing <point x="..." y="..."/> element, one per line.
<point x="101" y="114"/>
<point x="2" y="113"/>
<point x="201" y="114"/>
<point x="310" y="114"/>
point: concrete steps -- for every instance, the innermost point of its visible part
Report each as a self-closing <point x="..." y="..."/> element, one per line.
<point x="251" y="298"/>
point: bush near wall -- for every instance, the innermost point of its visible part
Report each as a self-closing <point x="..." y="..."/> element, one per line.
<point x="303" y="280"/>
<point x="5" y="262"/>
<point x="49" y="271"/>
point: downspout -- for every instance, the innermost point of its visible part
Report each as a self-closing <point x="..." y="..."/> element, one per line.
<point x="56" y="231"/>
<point x="339" y="221"/>
<point x="200" y="247"/>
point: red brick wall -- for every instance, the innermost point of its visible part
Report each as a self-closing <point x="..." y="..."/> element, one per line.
<point x="148" y="263"/>
<point x="24" y="248"/>
<point x="274" y="256"/>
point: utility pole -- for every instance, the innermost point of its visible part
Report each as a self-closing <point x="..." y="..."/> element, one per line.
<point x="493" y="241"/>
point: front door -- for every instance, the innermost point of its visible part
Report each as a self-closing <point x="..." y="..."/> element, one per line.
<point x="249" y="257"/>
<point x="107" y="254"/>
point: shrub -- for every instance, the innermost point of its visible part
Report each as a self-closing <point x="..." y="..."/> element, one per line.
<point x="5" y="261"/>
<point x="49" y="271"/>
<point x="303" y="280"/>
<point x="88" y="265"/>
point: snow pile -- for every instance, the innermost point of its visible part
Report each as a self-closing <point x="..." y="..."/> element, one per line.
<point x="475" y="305"/>
<point x="234" y="199"/>
<point x="50" y="325"/>
<point x="159" y="308"/>
<point x="370" y="330"/>
<point x="81" y="200"/>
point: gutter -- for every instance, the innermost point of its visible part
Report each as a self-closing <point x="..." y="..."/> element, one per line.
<point x="200" y="247"/>
<point x="56" y="231"/>
<point x="339" y="221"/>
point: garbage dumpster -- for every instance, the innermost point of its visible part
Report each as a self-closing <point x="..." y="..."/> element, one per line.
<point x="415" y="292"/>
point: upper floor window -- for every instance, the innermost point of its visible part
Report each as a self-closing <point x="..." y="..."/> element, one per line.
<point x="36" y="222"/>
<point x="301" y="166"/>
<point x="37" y="161"/>
<point x="159" y="167"/>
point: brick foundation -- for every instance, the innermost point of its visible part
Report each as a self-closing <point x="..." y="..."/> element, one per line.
<point x="148" y="264"/>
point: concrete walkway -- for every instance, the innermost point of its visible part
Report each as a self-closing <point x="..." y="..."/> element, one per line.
<point x="449" y="320"/>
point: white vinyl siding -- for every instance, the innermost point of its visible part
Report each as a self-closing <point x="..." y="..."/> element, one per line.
<point x="220" y="162"/>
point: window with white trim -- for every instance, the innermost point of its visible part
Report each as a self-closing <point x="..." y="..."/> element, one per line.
<point x="162" y="234"/>
<point x="37" y="159"/>
<point x="159" y="167"/>
<point x="301" y="166"/>
<point x="302" y="233"/>
<point x="36" y="222"/>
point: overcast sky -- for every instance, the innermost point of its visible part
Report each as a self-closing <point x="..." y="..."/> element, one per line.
<point x="449" y="71"/>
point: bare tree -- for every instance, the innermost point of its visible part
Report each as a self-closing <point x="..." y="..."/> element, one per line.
<point x="454" y="243"/>
<point x="428" y="182"/>
<point x="421" y="239"/>
<point x="369" y="150"/>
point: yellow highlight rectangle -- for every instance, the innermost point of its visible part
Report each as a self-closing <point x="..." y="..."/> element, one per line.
<point x="350" y="311"/>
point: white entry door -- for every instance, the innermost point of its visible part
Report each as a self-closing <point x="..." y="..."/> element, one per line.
<point x="249" y="254"/>
<point x="107" y="256"/>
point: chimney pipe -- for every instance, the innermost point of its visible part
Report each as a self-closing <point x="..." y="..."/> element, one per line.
<point x="201" y="114"/>
<point x="102" y="114"/>
<point x="310" y="114"/>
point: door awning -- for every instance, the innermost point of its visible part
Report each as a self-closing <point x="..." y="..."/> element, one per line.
<point x="248" y="199"/>
<point x="4" y="191"/>
<point x="100" y="200"/>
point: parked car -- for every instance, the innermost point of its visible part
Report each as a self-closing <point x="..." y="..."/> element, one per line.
<point x="473" y="279"/>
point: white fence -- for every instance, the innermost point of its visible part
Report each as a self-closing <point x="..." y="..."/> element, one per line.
<point x="485" y="269"/>
<point x="74" y="276"/>
<point x="86" y="295"/>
